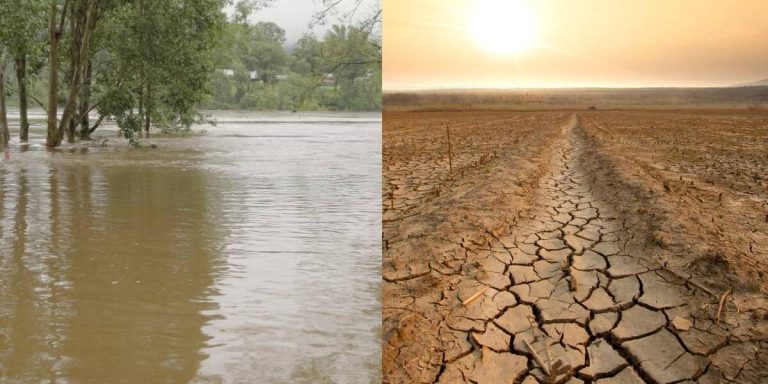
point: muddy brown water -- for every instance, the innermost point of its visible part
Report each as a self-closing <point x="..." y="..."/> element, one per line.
<point x="250" y="253"/>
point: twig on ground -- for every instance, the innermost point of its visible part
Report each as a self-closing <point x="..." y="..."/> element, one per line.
<point x="720" y="307"/>
<point x="474" y="297"/>
<point x="536" y="357"/>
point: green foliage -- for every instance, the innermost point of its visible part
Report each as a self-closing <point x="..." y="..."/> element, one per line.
<point x="294" y="81"/>
<point x="147" y="63"/>
<point x="157" y="63"/>
<point x="22" y="29"/>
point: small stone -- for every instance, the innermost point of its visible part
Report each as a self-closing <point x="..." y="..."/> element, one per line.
<point x="681" y="324"/>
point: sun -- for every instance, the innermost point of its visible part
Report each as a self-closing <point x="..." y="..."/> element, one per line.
<point x="503" y="27"/>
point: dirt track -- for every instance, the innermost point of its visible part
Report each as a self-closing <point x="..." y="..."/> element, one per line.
<point x="497" y="281"/>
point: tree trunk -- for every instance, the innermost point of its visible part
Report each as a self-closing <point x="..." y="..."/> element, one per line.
<point x="96" y="125"/>
<point x="71" y="128"/>
<point x="141" y="100"/>
<point x="54" y="35"/>
<point x="148" y="112"/>
<point x="76" y="44"/>
<point x="21" y="79"/>
<point x="85" y="98"/>
<point x="5" y="135"/>
<point x="69" y="108"/>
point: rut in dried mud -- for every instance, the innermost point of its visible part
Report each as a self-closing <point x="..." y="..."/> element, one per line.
<point x="565" y="295"/>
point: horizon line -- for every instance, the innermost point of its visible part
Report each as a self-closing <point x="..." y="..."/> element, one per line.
<point x="585" y="87"/>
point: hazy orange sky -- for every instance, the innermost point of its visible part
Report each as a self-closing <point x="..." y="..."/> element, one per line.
<point x="435" y="43"/>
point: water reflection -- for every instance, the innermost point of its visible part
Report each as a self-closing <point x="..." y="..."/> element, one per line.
<point x="246" y="255"/>
<point x="299" y="301"/>
<point x="108" y="273"/>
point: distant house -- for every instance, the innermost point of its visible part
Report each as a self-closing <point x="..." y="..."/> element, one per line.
<point x="254" y="76"/>
<point x="281" y="77"/>
<point x="328" y="80"/>
<point x="226" y="72"/>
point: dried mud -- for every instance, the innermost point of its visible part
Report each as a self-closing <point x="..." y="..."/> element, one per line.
<point x="551" y="254"/>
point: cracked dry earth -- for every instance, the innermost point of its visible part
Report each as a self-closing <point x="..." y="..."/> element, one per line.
<point x="562" y="297"/>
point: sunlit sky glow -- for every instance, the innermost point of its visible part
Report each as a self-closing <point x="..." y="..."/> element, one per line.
<point x="437" y="44"/>
<point x="294" y="16"/>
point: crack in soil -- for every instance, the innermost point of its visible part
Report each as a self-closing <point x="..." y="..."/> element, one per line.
<point x="566" y="263"/>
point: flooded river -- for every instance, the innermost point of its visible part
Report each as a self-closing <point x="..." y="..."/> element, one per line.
<point x="247" y="254"/>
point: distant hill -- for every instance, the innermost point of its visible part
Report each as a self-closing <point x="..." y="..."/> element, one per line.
<point x="763" y="82"/>
<point x="578" y="99"/>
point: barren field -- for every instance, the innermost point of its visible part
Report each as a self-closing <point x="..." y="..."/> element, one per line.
<point x="597" y="247"/>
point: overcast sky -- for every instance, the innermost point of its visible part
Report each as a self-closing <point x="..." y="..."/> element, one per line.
<point x="435" y="44"/>
<point x="295" y="15"/>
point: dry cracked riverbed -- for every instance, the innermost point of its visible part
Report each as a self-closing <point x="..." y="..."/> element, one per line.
<point x="564" y="291"/>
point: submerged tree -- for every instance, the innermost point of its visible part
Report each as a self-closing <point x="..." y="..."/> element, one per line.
<point x="159" y="74"/>
<point x="145" y="63"/>
<point x="21" y="33"/>
<point x="141" y="62"/>
<point x="4" y="132"/>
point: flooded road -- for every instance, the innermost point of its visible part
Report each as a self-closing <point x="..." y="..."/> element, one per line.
<point x="248" y="254"/>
